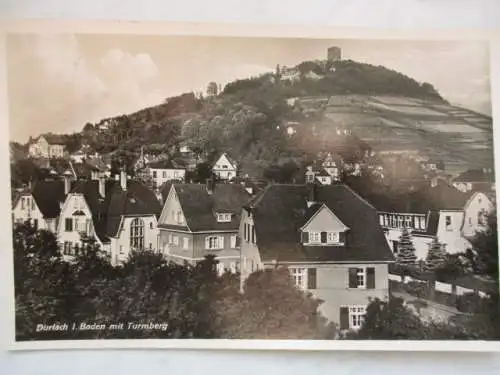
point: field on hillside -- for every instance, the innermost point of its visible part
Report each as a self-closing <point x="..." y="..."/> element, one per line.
<point x="462" y="138"/>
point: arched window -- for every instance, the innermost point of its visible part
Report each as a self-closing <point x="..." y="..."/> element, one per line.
<point x="137" y="234"/>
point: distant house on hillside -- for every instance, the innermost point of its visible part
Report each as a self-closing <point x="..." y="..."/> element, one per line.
<point x="47" y="146"/>
<point x="475" y="180"/>
<point x="165" y="170"/>
<point x="435" y="211"/>
<point x="328" y="238"/>
<point x="225" y="168"/>
<point x="202" y="219"/>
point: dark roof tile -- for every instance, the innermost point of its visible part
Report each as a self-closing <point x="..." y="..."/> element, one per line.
<point x="280" y="210"/>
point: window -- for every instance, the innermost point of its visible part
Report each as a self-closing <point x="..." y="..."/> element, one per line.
<point x="214" y="242"/>
<point x="233" y="241"/>
<point x="150" y="246"/>
<point x="408" y="221"/>
<point x="356" y="316"/>
<point x="35" y="224"/>
<point x="22" y="203"/>
<point x="68" y="224"/>
<point x="400" y="221"/>
<point x="75" y="203"/>
<point x="448" y="223"/>
<point x="121" y="250"/>
<point x="422" y="222"/>
<point x="232" y="267"/>
<point x="332" y="237"/>
<point x="33" y="204"/>
<point x="185" y="243"/>
<point x="482" y="217"/>
<point x="253" y="234"/>
<point x="68" y="248"/>
<point x="154" y="174"/>
<point x="164" y="174"/>
<point x="179" y="217"/>
<point x="360" y="278"/>
<point x="223" y="218"/>
<point x="151" y="225"/>
<point x="220" y="269"/>
<point x="176" y="240"/>
<point x="137" y="234"/>
<point x="299" y="277"/>
<point x="314" y="237"/>
<point x="169" y="238"/>
<point x="381" y="220"/>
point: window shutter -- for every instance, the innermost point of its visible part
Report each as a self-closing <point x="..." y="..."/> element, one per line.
<point x="311" y="278"/>
<point x="238" y="241"/>
<point x="245" y="237"/>
<point x="344" y="318"/>
<point x="221" y="242"/>
<point x="370" y="278"/>
<point x="342" y="237"/>
<point x="353" y="277"/>
<point x="207" y="242"/>
<point x="305" y="237"/>
<point x="323" y="237"/>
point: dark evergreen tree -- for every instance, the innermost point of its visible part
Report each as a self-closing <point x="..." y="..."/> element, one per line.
<point x="406" y="251"/>
<point x="436" y="256"/>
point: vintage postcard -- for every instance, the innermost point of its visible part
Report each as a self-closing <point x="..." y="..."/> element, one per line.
<point x="197" y="186"/>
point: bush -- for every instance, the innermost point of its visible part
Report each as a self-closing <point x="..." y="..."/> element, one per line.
<point x="471" y="303"/>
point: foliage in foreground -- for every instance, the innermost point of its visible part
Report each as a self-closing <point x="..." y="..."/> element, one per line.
<point x="193" y="300"/>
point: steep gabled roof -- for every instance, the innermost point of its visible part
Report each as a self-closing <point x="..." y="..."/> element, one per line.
<point x="200" y="207"/>
<point x="281" y="210"/>
<point x="229" y="159"/>
<point x="137" y="200"/>
<point x="49" y="195"/>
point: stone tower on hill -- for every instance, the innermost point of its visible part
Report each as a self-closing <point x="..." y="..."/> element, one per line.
<point x="334" y="53"/>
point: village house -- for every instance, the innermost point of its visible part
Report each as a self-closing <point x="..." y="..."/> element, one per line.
<point x="165" y="170"/>
<point x="120" y="215"/>
<point x="325" y="172"/>
<point x="40" y="204"/>
<point x="202" y="219"/>
<point x="225" y="168"/>
<point x="435" y="211"/>
<point x="47" y="146"/>
<point x="475" y="180"/>
<point x="330" y="240"/>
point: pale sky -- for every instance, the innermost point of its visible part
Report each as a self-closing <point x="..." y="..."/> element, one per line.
<point x="59" y="82"/>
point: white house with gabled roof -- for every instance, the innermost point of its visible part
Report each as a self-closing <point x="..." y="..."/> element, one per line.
<point x="225" y="168"/>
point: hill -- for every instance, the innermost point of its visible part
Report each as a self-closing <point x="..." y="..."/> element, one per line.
<point x="382" y="109"/>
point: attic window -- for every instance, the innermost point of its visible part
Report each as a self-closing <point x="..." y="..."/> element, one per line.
<point x="223" y="218"/>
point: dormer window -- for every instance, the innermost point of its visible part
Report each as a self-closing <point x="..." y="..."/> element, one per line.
<point x="323" y="238"/>
<point x="223" y="217"/>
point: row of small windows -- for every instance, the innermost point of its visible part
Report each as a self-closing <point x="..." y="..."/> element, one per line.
<point x="417" y="222"/>
<point x="315" y="238"/>
<point x="211" y="242"/>
<point x="357" y="278"/>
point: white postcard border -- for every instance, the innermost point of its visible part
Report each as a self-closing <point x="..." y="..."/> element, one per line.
<point x="7" y="314"/>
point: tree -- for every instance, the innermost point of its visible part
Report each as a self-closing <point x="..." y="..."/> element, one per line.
<point x="392" y="320"/>
<point x="202" y="172"/>
<point x="271" y="307"/>
<point x="212" y="89"/>
<point x="406" y="257"/>
<point x="436" y="256"/>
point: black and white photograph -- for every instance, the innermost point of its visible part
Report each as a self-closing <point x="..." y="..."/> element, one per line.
<point x="187" y="187"/>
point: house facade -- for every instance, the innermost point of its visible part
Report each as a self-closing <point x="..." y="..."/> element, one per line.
<point x="47" y="146"/>
<point x="199" y="220"/>
<point x="120" y="215"/>
<point x="328" y="238"/>
<point x="163" y="171"/>
<point x="225" y="168"/>
<point x="40" y="205"/>
<point x="454" y="219"/>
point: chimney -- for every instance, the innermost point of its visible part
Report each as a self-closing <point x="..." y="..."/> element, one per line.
<point x="102" y="186"/>
<point x="123" y="180"/>
<point x="312" y="194"/>
<point x="210" y="184"/>
<point x="67" y="182"/>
